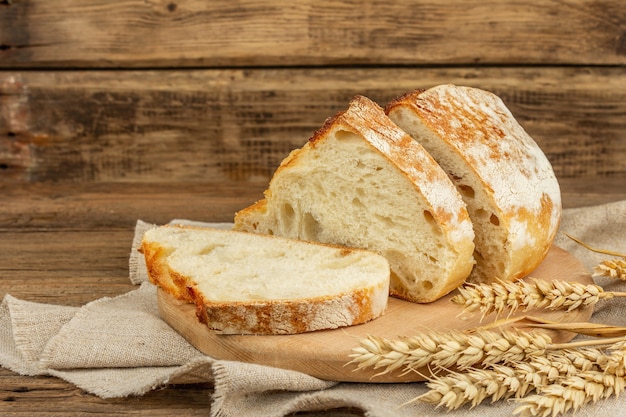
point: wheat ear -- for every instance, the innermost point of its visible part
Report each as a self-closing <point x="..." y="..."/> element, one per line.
<point x="498" y="297"/>
<point x="615" y="268"/>
<point x="563" y="379"/>
<point x="516" y="379"/>
<point x="473" y="386"/>
<point x="571" y="393"/>
<point x="447" y="349"/>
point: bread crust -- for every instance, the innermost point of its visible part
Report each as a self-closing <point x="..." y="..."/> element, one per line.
<point x="477" y="127"/>
<point x="159" y="273"/>
<point x="367" y="119"/>
<point x="282" y="316"/>
<point x="292" y="317"/>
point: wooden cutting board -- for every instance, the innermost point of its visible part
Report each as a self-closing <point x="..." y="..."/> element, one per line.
<point x="324" y="354"/>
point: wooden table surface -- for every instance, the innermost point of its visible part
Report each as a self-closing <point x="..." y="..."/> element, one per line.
<point x="113" y="111"/>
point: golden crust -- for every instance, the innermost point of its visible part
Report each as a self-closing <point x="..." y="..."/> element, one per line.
<point x="539" y="225"/>
<point x="159" y="273"/>
<point x="477" y="127"/>
<point x="270" y="316"/>
<point x="291" y="317"/>
<point x="259" y="207"/>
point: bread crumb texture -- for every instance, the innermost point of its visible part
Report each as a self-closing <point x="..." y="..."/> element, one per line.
<point x="246" y="283"/>
<point x="361" y="181"/>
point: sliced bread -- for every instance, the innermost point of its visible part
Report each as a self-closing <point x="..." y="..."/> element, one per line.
<point x="244" y="283"/>
<point x="360" y="181"/>
<point x="512" y="194"/>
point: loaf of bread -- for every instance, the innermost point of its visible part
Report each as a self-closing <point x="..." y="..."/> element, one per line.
<point x="508" y="184"/>
<point x="245" y="283"/>
<point x="360" y="181"/>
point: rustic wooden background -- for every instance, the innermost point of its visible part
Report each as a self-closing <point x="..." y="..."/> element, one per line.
<point x="111" y="111"/>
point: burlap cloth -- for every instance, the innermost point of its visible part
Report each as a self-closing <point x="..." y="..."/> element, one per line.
<point x="118" y="347"/>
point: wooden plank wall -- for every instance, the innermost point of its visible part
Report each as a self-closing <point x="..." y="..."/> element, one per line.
<point x="194" y="91"/>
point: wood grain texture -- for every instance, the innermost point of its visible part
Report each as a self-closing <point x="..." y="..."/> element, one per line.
<point x="238" y="124"/>
<point x="116" y="110"/>
<point x="45" y="396"/>
<point x="185" y="33"/>
<point x="50" y="397"/>
<point x="117" y="206"/>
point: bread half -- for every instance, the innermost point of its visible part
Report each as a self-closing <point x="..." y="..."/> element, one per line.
<point x="360" y="181"/>
<point x="244" y="283"/>
<point x="512" y="194"/>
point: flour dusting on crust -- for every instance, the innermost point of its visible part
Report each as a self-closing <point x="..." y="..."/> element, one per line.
<point x="483" y="129"/>
<point x="512" y="194"/>
<point x="415" y="161"/>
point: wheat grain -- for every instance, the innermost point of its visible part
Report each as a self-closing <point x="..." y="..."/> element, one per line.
<point x="516" y="379"/>
<point x="513" y="345"/>
<point x="547" y="369"/>
<point x="614" y="360"/>
<point x="615" y="268"/>
<point x="583" y="359"/>
<point x="585" y="375"/>
<point x="448" y="349"/>
<point x="488" y="298"/>
<point x="571" y="393"/>
<point x="511" y="363"/>
<point x="377" y="352"/>
<point x="583" y="380"/>
<point x="474" y="386"/>
<point x="463" y="350"/>
<point x="554" y="295"/>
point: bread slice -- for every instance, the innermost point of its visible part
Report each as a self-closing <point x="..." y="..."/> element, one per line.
<point x="244" y="283"/>
<point x="511" y="191"/>
<point x="360" y="181"/>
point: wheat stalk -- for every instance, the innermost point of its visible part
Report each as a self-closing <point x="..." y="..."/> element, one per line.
<point x="584" y="328"/>
<point x="455" y="348"/>
<point x="503" y="364"/>
<point x="498" y="297"/>
<point x="614" y="268"/>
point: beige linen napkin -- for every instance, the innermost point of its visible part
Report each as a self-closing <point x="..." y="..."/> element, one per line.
<point x="119" y="347"/>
